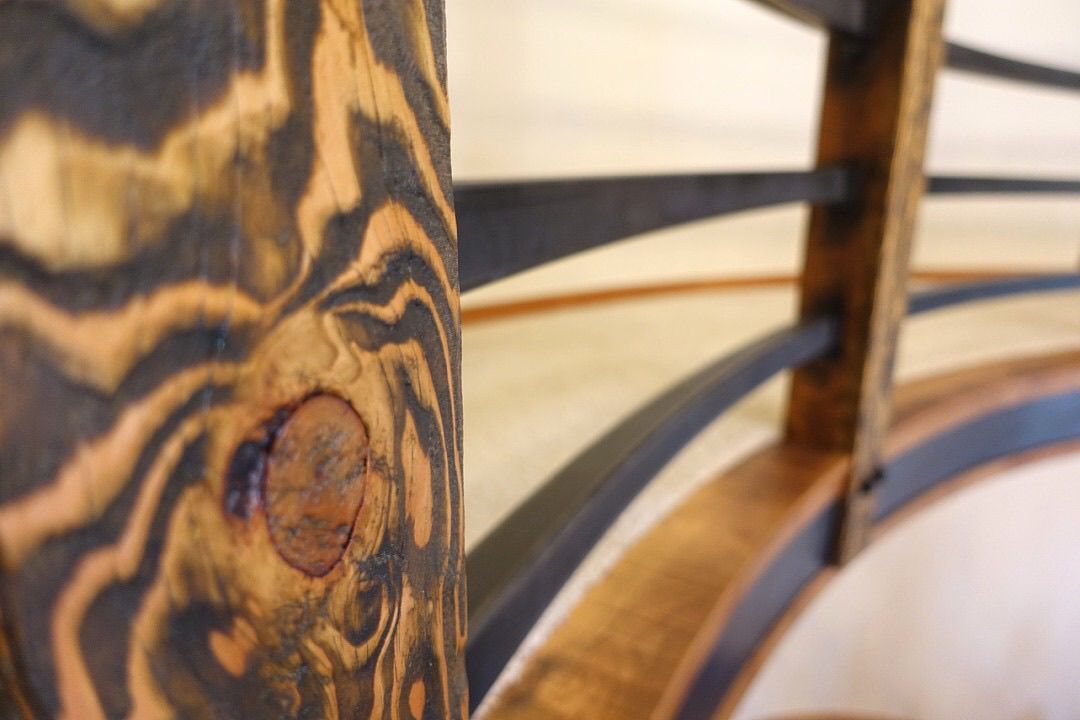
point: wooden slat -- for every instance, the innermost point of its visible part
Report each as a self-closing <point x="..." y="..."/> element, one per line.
<point x="876" y="110"/>
<point x="230" y="473"/>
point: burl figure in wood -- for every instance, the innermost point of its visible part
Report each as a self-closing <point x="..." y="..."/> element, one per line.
<point x="230" y="468"/>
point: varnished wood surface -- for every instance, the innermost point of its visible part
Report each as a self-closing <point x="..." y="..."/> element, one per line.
<point x="212" y="216"/>
<point x="876" y="110"/>
<point x="631" y="646"/>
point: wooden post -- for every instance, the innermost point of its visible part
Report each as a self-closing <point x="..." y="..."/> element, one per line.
<point x="876" y="108"/>
<point x="230" y="470"/>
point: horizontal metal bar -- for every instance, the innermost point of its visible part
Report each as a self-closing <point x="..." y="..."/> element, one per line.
<point x="1011" y="431"/>
<point x="516" y="571"/>
<point x="968" y="59"/>
<point x="853" y="17"/>
<point x="504" y="228"/>
<point x="846" y="15"/>
<point x="937" y="298"/>
<point x="975" y="185"/>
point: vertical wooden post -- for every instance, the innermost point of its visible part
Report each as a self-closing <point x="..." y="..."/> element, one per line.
<point x="230" y="470"/>
<point x="877" y="100"/>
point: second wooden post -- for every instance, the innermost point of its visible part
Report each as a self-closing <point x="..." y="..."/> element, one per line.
<point x="875" y="113"/>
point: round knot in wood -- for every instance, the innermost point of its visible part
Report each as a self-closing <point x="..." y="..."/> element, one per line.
<point x="315" y="482"/>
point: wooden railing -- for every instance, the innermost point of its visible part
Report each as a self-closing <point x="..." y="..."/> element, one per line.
<point x="230" y="472"/>
<point x="516" y="571"/>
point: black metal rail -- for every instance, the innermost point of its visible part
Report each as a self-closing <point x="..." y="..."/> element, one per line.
<point x="937" y="298"/>
<point x="849" y="16"/>
<point x="516" y="571"/>
<point x="982" y="185"/>
<point x="505" y="228"/>
<point x="968" y="59"/>
<point x="853" y="17"/>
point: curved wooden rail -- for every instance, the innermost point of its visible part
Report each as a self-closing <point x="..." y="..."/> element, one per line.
<point x="521" y="565"/>
<point x="673" y="628"/>
<point x="958" y="280"/>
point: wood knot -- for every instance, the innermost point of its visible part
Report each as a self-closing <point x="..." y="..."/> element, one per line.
<point x="314" y="482"/>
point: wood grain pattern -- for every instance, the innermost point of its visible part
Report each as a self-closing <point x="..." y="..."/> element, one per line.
<point x="636" y="639"/>
<point x="210" y="214"/>
<point x="876" y="110"/>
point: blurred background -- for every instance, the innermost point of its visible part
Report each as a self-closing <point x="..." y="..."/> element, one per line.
<point x="962" y="613"/>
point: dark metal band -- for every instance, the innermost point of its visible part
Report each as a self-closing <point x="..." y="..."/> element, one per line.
<point x="975" y="185"/>
<point x="937" y="298"/>
<point x="505" y="228"/>
<point x="516" y="571"/>
<point x="1011" y="431"/>
<point x="968" y="59"/>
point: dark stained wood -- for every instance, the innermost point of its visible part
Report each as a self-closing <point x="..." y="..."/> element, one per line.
<point x="877" y="103"/>
<point x="230" y="470"/>
<point x="631" y="646"/>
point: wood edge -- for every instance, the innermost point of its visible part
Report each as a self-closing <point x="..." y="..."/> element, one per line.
<point x="826" y="489"/>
